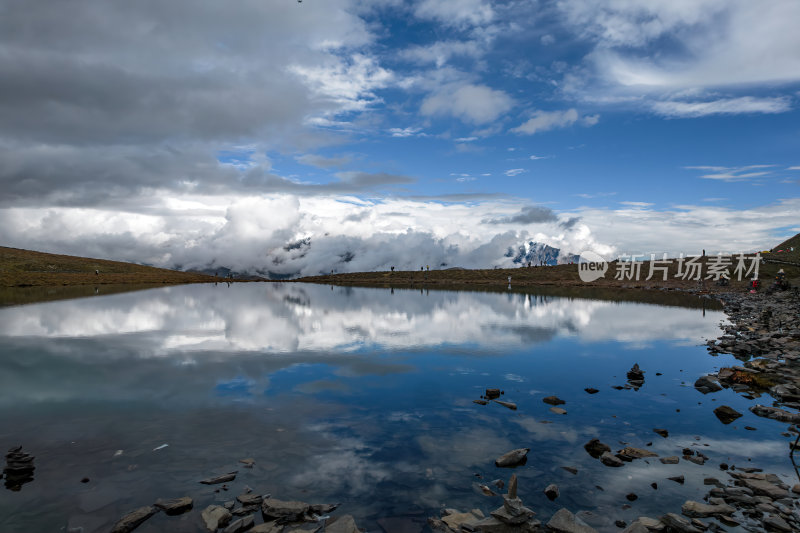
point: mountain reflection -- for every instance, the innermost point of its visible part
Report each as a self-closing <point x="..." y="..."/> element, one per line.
<point x="311" y="318"/>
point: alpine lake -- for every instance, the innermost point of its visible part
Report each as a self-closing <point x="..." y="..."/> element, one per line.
<point x="364" y="397"/>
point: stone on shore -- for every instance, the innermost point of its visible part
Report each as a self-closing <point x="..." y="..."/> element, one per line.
<point x="241" y="525"/>
<point x="134" y="519"/>
<point x="250" y="499"/>
<point x="342" y="524"/>
<point x="706" y="384"/>
<point x="270" y="527"/>
<point x="215" y="517"/>
<point x="694" y="509"/>
<point x="775" y="413"/>
<point x="566" y="522"/>
<point x="175" y="506"/>
<point x="285" y="511"/>
<point x="513" y="458"/>
<point x="671" y="460"/>
<point x="677" y="523"/>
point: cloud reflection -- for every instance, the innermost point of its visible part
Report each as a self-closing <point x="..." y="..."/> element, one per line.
<point x="285" y="318"/>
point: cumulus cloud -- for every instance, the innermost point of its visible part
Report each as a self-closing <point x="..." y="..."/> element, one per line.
<point x="319" y="161"/>
<point x="550" y="120"/>
<point x="475" y="104"/>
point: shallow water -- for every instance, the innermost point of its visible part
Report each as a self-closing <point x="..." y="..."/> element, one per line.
<point x="357" y="396"/>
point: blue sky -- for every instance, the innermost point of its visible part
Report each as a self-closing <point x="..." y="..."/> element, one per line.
<point x="196" y="135"/>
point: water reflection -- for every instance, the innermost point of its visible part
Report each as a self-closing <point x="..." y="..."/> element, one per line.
<point x="359" y="396"/>
<point x="290" y="317"/>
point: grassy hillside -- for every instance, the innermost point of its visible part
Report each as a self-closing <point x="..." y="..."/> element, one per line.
<point x="25" y="268"/>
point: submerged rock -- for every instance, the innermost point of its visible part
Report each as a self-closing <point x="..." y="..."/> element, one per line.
<point x="726" y="414"/>
<point x="513" y="458"/>
<point x="551" y="491"/>
<point x="553" y="400"/>
<point x="706" y="384"/>
<point x="595" y="448"/>
<point x="224" y="478"/>
<point x="510" y="405"/>
<point x="663" y="432"/>
<point x="629" y="453"/>
<point x="134" y="519"/>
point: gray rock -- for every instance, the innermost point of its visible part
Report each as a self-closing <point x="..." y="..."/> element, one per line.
<point x="510" y="405"/>
<point x="250" y="499"/>
<point x="134" y="519"/>
<point x="238" y="526"/>
<point x="268" y="527"/>
<point x="224" y="478"/>
<point x="558" y="410"/>
<point x="610" y="460"/>
<point x="551" y="491"/>
<point x="694" y="509"/>
<point x="777" y="523"/>
<point x="775" y="413"/>
<point x="671" y="460"/>
<point x="726" y="414"/>
<point x="595" y="448"/>
<point x="706" y="384"/>
<point x="565" y="522"/>
<point x="629" y="453"/>
<point x="553" y="400"/>
<point x="284" y="511"/>
<point x="215" y="517"/>
<point x="175" y="506"/>
<point x="513" y="458"/>
<point x="341" y="524"/>
<point x="679" y="524"/>
<point x="663" y="432"/>
<point x="765" y="488"/>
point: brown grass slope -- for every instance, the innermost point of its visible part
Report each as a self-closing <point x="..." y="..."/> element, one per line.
<point x="26" y="268"/>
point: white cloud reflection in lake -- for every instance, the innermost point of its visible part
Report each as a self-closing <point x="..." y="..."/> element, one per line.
<point x="284" y="318"/>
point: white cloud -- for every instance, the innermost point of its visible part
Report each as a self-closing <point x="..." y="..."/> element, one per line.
<point x="637" y="204"/>
<point x="349" y="82"/>
<point x="549" y="120"/>
<point x="514" y="171"/>
<point x="794" y="168"/>
<point x="407" y="132"/>
<point x="547" y="40"/>
<point x="723" y="106"/>
<point x="538" y="157"/>
<point x="743" y="173"/>
<point x="715" y="42"/>
<point x="440" y="52"/>
<point x="455" y="13"/>
<point x="476" y="104"/>
<point x="466" y="139"/>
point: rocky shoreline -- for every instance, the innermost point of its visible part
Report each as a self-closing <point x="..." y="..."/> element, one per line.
<point x="765" y="335"/>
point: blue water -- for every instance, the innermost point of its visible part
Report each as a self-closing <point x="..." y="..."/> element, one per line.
<point x="357" y="396"/>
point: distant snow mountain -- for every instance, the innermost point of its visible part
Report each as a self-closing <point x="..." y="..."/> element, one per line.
<point x="537" y="253"/>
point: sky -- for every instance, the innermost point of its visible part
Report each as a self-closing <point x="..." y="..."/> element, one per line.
<point x="293" y="138"/>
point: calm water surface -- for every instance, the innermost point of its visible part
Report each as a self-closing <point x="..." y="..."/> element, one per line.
<point x="357" y="396"/>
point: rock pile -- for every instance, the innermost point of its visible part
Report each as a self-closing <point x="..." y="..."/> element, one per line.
<point x="19" y="469"/>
